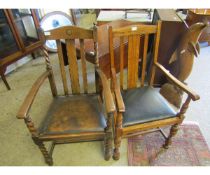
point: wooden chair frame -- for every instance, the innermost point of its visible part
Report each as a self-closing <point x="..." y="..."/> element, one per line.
<point x="132" y="32"/>
<point x="69" y="33"/>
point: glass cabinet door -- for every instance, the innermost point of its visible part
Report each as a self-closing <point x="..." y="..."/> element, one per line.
<point x="25" y="25"/>
<point x="8" y="44"/>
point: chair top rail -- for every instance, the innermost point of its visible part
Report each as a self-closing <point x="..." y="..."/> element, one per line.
<point x="134" y="30"/>
<point x="69" y="32"/>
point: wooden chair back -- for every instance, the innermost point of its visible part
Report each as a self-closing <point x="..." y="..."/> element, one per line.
<point x="131" y="38"/>
<point x="74" y="38"/>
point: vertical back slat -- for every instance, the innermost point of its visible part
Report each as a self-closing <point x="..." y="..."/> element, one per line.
<point x="121" y="61"/>
<point x="73" y="67"/>
<point x="144" y="61"/>
<point x="130" y="64"/>
<point x="62" y="68"/>
<point x="111" y="47"/>
<point x="133" y="60"/>
<point x="84" y="69"/>
<point x="136" y="58"/>
<point x="156" y="46"/>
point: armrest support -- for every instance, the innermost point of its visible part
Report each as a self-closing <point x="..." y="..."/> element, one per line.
<point x="119" y="100"/>
<point x="178" y="83"/>
<point x="109" y="102"/>
<point x="24" y="109"/>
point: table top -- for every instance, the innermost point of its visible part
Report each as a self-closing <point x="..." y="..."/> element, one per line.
<point x="107" y="16"/>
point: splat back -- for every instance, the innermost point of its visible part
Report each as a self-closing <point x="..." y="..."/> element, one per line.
<point x="74" y="39"/>
<point x="132" y="38"/>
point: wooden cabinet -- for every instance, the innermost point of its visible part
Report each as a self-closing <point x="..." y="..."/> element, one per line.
<point x="18" y="36"/>
<point x="172" y="30"/>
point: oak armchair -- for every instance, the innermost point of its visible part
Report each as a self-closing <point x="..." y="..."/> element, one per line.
<point x="140" y="107"/>
<point x="76" y="115"/>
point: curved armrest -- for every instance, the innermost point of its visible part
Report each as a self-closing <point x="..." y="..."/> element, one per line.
<point x="178" y="83"/>
<point x="24" y="109"/>
<point x="119" y="99"/>
<point x="109" y="102"/>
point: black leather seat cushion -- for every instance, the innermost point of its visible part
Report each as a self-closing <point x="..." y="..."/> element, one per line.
<point x="145" y="104"/>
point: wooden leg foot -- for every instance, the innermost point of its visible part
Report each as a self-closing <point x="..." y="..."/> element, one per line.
<point x="107" y="156"/>
<point x="47" y="156"/>
<point x="165" y="146"/>
<point x="172" y="133"/>
<point x="108" y="147"/>
<point x="117" y="143"/>
<point x="118" y="137"/>
<point x="49" y="162"/>
<point x="116" y="155"/>
<point x="5" y="81"/>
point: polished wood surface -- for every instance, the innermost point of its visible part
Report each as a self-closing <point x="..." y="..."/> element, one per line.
<point x="134" y="81"/>
<point x="78" y="115"/>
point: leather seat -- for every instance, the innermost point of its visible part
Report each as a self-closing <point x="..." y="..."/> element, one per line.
<point x="74" y="114"/>
<point x="145" y="104"/>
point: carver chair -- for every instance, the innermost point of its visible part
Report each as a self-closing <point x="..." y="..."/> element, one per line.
<point x="140" y="107"/>
<point x="77" y="115"/>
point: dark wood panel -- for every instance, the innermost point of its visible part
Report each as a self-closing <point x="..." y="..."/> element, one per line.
<point x="172" y="30"/>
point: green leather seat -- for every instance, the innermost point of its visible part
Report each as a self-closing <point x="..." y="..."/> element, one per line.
<point x="145" y="104"/>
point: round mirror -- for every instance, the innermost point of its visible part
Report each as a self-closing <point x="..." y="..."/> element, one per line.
<point x="54" y="20"/>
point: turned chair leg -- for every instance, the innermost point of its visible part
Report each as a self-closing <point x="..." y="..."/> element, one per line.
<point x="117" y="143"/>
<point x="108" y="138"/>
<point x="172" y="133"/>
<point x="108" y="146"/>
<point x="47" y="156"/>
<point x="117" y="138"/>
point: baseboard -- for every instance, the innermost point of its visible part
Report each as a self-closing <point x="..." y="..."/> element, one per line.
<point x="18" y="64"/>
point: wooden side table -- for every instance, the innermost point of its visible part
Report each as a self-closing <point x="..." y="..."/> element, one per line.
<point x="107" y="16"/>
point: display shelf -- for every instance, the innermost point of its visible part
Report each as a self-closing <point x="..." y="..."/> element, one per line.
<point x="18" y="36"/>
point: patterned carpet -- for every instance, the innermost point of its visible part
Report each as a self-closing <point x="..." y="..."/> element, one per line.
<point x="188" y="148"/>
